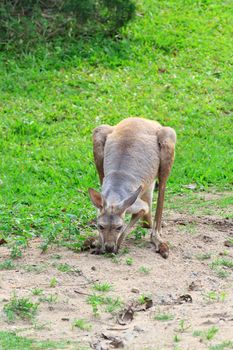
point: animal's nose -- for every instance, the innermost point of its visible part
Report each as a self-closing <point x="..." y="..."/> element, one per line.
<point x="109" y="248"/>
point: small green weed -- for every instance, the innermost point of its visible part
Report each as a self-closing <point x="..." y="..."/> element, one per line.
<point x="183" y="327"/>
<point x="66" y="268"/>
<point x="51" y="299"/>
<point x="224" y="345"/>
<point x="221" y="273"/>
<point x="95" y="301"/>
<point x="124" y="250"/>
<point x="143" y="299"/>
<point x="22" y="308"/>
<point x="35" y="268"/>
<point x="112" y="304"/>
<point x="37" y="291"/>
<point x="129" y="261"/>
<point x="115" y="260"/>
<point x="11" y="341"/>
<point x="53" y="282"/>
<point x="82" y="324"/>
<point x="190" y="228"/>
<point x="163" y="317"/>
<point x="104" y="287"/>
<point x="206" y="335"/>
<point x="7" y="265"/>
<point x="216" y="296"/>
<point x="222" y="262"/>
<point x="204" y="256"/>
<point x="144" y="270"/>
<point x="139" y="233"/>
<point x="176" y="338"/>
<point x="16" y="252"/>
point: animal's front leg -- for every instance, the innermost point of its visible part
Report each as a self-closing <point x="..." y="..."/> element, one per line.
<point x="129" y="227"/>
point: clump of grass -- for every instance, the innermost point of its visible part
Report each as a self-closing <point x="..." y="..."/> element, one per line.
<point x="53" y="282"/>
<point x="102" y="287"/>
<point x="163" y="317"/>
<point x="66" y="268"/>
<point x="22" y="308"/>
<point x="144" y="270"/>
<point x="129" y="261"/>
<point x="224" y="345"/>
<point x="82" y="324"/>
<point x="16" y="252"/>
<point x="35" y="268"/>
<point x="222" y="262"/>
<point x="125" y="250"/>
<point x="115" y="260"/>
<point x="112" y="304"/>
<point x="95" y="301"/>
<point x="221" y="273"/>
<point x="143" y="298"/>
<point x="176" y="338"/>
<point x="51" y="299"/>
<point x="216" y="296"/>
<point x="183" y="326"/>
<point x="206" y="335"/>
<point x="139" y="233"/>
<point x="204" y="256"/>
<point x="37" y="291"/>
<point x="7" y="265"/>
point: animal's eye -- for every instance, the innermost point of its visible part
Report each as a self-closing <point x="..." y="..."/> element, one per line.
<point x="119" y="228"/>
<point x="101" y="227"/>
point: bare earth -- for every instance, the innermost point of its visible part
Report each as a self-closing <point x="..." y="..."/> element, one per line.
<point x="208" y="301"/>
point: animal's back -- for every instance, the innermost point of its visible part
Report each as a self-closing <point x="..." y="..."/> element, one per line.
<point x="133" y="148"/>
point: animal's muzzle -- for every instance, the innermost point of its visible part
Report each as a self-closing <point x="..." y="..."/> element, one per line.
<point x="109" y="248"/>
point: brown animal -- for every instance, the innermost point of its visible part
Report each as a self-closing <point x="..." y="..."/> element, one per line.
<point x="129" y="157"/>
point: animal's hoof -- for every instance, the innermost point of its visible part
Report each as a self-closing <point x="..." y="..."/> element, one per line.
<point x="163" y="250"/>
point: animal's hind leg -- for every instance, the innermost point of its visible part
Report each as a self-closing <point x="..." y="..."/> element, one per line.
<point x="99" y="138"/>
<point x="166" y="140"/>
<point x="147" y="197"/>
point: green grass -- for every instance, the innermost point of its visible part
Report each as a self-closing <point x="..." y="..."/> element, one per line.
<point x="102" y="287"/>
<point x="216" y="296"/>
<point x="163" y="317"/>
<point x="66" y="268"/>
<point x="53" y="282"/>
<point x="111" y="304"/>
<point x="82" y="324"/>
<point x="7" y="265"/>
<point x="224" y="345"/>
<point x="22" y="308"/>
<point x="223" y="262"/>
<point x="10" y="341"/>
<point x="129" y="261"/>
<point x="209" y="334"/>
<point x="173" y="65"/>
<point x="51" y="299"/>
<point x="144" y="270"/>
<point x="37" y="291"/>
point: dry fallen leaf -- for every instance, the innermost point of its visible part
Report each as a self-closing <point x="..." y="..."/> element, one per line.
<point x="185" y="298"/>
<point x="125" y="316"/>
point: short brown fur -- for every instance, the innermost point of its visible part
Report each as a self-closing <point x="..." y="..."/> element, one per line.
<point x="129" y="157"/>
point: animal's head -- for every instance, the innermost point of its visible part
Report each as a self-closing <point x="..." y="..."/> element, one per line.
<point x="110" y="220"/>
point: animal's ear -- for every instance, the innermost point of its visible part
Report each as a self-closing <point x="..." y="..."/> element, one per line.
<point x="126" y="203"/>
<point x="96" y="198"/>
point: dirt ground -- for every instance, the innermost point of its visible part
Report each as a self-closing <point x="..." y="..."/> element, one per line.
<point x="194" y="296"/>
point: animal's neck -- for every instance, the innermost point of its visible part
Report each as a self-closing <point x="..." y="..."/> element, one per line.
<point x="117" y="186"/>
